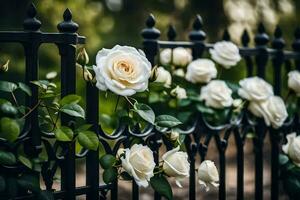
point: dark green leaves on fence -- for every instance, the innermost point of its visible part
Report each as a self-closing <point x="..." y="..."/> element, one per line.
<point x="9" y="129"/>
<point x="64" y="134"/>
<point x="7" y="158"/>
<point x="110" y="175"/>
<point x="70" y="99"/>
<point x="29" y="182"/>
<point x="6" y="86"/>
<point x="7" y="109"/>
<point x="73" y="110"/>
<point x="145" y="112"/>
<point x="107" y="161"/>
<point x="88" y="140"/>
<point x="161" y="185"/>
<point x="167" y="121"/>
<point x="25" y="88"/>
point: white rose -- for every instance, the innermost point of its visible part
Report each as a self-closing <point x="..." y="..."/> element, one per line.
<point x="225" y="53"/>
<point x="292" y="148"/>
<point x="139" y="163"/>
<point x="208" y="174"/>
<point x="180" y="57"/>
<point x="216" y="94"/>
<point x="201" y="71"/>
<point x="255" y="89"/>
<point x="176" y="165"/>
<point x="273" y="111"/>
<point x="123" y="70"/>
<point x="179" y="72"/>
<point x="163" y="76"/>
<point x="294" y="81"/>
<point x="179" y="92"/>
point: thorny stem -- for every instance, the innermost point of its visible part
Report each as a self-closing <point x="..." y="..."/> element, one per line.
<point x="117" y="103"/>
<point x="128" y="100"/>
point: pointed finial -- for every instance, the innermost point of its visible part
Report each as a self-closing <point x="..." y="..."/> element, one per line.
<point x="278" y="42"/>
<point x="150" y="32"/>
<point x="197" y="33"/>
<point x="245" y="38"/>
<point x="31" y="23"/>
<point x="261" y="38"/>
<point x="68" y="25"/>
<point x="296" y="43"/>
<point x="171" y="33"/>
<point x="226" y="35"/>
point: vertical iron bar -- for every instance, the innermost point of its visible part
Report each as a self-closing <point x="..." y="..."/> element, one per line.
<point x="92" y="159"/>
<point x="68" y="86"/>
<point x="240" y="164"/>
<point x="261" y="39"/>
<point x="278" y="44"/>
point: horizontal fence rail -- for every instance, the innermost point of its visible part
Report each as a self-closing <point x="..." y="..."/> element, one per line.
<point x="199" y="134"/>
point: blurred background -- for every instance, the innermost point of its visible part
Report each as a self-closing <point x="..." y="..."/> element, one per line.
<point x="106" y="23"/>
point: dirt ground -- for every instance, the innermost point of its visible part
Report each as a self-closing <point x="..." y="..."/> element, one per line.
<point x="124" y="192"/>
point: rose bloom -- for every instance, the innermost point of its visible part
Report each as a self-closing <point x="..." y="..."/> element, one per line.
<point x="176" y="165"/>
<point x="216" y="94"/>
<point x="123" y="70"/>
<point x="294" y="81"/>
<point x="225" y="53"/>
<point x="208" y="174"/>
<point x="292" y="148"/>
<point x="179" y="92"/>
<point x="181" y="56"/>
<point x="273" y="111"/>
<point x="139" y="163"/>
<point x="201" y="71"/>
<point x="179" y="72"/>
<point x="255" y="89"/>
<point x="163" y="76"/>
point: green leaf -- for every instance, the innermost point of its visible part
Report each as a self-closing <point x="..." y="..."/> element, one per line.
<point x="74" y="110"/>
<point x="45" y="195"/>
<point x="161" y="185"/>
<point x="283" y="159"/>
<point x="6" y="86"/>
<point x="70" y="99"/>
<point x="25" y="161"/>
<point x="84" y="127"/>
<point x="25" y="88"/>
<point x="144" y="112"/>
<point x="110" y="175"/>
<point x="203" y="109"/>
<point x="41" y="83"/>
<point x="7" y="158"/>
<point x="8" y="109"/>
<point x="167" y="121"/>
<point x="64" y="134"/>
<point x="88" y="140"/>
<point x="2" y="184"/>
<point x="29" y="182"/>
<point x="107" y="161"/>
<point x="9" y="129"/>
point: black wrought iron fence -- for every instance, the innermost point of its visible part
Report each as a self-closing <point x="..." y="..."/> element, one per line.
<point x="199" y="135"/>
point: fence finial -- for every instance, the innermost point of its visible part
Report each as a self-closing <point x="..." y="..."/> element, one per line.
<point x="261" y="38"/>
<point x="197" y="33"/>
<point x="150" y="32"/>
<point x="31" y="23"/>
<point x="226" y="35"/>
<point x="171" y="33"/>
<point x="245" y="38"/>
<point x="278" y="42"/>
<point x="68" y="25"/>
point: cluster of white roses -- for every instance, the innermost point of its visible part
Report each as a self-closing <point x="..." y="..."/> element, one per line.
<point x="292" y="148"/>
<point x="138" y="162"/>
<point x="263" y="103"/>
